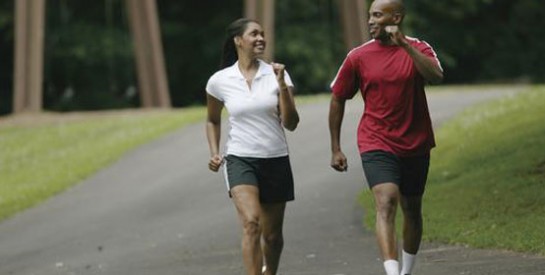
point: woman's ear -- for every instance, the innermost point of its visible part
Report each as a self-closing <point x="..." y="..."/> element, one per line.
<point x="237" y="41"/>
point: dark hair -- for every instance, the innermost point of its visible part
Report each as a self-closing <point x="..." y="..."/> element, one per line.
<point x="229" y="54"/>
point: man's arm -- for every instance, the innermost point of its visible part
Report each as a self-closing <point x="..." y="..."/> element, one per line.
<point x="336" y="114"/>
<point x="426" y="66"/>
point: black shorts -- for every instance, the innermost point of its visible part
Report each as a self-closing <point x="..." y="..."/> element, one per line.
<point x="408" y="173"/>
<point x="272" y="176"/>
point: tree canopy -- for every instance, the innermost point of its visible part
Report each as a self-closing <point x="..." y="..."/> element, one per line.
<point x="483" y="40"/>
<point x="89" y="60"/>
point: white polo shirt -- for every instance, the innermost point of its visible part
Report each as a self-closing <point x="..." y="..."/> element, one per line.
<point x="255" y="126"/>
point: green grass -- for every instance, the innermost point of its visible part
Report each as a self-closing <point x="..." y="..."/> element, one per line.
<point x="486" y="186"/>
<point x="41" y="159"/>
<point x="43" y="154"/>
<point x="309" y="99"/>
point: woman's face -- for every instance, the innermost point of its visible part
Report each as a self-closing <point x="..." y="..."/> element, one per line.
<point x="252" y="42"/>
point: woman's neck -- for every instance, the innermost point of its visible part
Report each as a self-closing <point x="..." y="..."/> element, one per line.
<point x="247" y="64"/>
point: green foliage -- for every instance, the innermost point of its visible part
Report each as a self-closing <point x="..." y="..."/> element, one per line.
<point x="483" y="40"/>
<point x="193" y="34"/>
<point x="486" y="177"/>
<point x="309" y="42"/>
<point x="88" y="56"/>
<point x="52" y="154"/>
<point x="89" y="61"/>
<point x="6" y="59"/>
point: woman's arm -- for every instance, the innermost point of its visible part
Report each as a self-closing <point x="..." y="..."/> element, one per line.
<point x="288" y="112"/>
<point x="213" y="131"/>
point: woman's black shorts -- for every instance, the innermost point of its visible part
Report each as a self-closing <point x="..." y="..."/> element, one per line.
<point x="409" y="173"/>
<point x="272" y="176"/>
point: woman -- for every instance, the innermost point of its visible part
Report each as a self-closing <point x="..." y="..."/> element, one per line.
<point x="259" y="99"/>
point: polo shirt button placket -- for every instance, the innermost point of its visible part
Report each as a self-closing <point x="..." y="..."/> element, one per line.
<point x="250" y="90"/>
<point x="247" y="89"/>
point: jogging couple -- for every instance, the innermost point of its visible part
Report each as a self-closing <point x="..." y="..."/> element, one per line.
<point x="394" y="135"/>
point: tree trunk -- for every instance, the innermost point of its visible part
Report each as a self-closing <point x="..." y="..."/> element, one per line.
<point x="150" y="64"/>
<point x="28" y="63"/>
<point x="354" y="19"/>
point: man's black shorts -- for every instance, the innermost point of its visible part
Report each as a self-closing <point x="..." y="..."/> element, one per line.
<point x="272" y="176"/>
<point x="409" y="173"/>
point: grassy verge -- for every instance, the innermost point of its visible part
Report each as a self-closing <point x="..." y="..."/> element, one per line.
<point x="486" y="182"/>
<point x="42" y="155"/>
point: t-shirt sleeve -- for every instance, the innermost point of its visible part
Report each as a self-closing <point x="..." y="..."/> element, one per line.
<point x="287" y="79"/>
<point x="212" y="88"/>
<point x="345" y="85"/>
<point x="426" y="49"/>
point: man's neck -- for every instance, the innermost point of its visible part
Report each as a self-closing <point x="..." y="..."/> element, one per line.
<point x="386" y="41"/>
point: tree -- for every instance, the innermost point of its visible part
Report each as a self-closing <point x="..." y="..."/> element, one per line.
<point x="310" y="42"/>
<point x="483" y="40"/>
<point x="6" y="58"/>
<point x="193" y="34"/>
<point x="89" y="60"/>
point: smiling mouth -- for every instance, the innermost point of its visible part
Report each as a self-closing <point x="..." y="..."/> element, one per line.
<point x="374" y="32"/>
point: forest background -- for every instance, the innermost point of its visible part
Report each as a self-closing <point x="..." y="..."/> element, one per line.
<point x="89" y="58"/>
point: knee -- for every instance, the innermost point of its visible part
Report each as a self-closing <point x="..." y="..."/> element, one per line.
<point x="412" y="211"/>
<point x="412" y="215"/>
<point x="251" y="227"/>
<point x="386" y="206"/>
<point x="274" y="239"/>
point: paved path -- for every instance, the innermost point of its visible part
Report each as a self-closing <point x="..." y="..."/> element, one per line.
<point x="159" y="211"/>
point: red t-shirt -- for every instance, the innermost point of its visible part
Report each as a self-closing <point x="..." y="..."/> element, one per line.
<point x="396" y="117"/>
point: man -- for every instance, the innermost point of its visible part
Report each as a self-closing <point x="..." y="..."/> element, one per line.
<point x="395" y="134"/>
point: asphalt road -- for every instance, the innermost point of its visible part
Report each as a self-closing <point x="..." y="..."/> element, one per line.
<point x="158" y="210"/>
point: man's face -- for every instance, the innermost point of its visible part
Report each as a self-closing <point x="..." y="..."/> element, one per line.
<point x="381" y="14"/>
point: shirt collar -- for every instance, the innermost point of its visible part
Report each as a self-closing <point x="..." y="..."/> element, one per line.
<point x="264" y="69"/>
